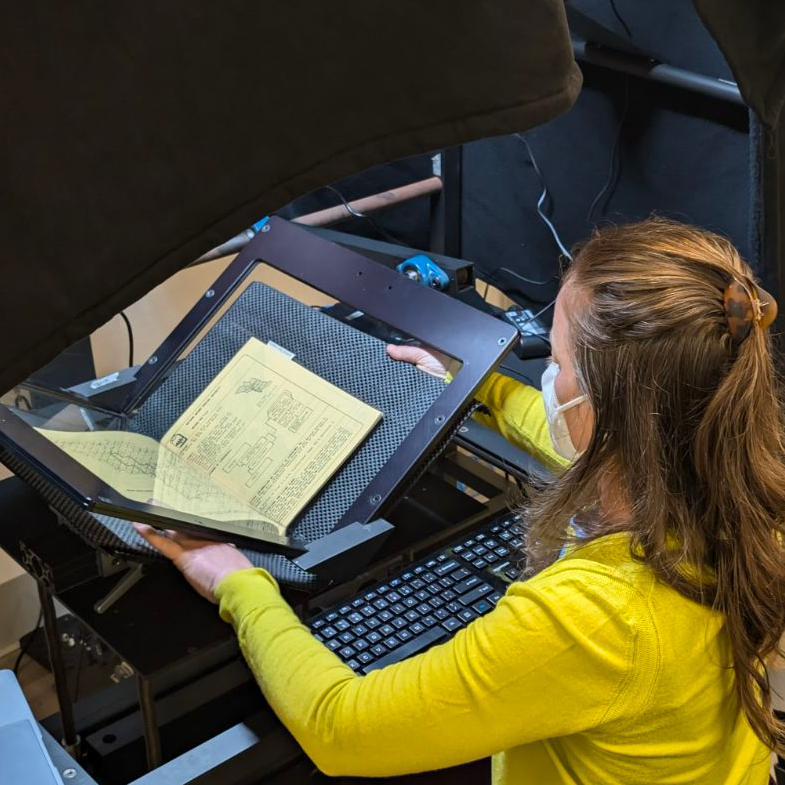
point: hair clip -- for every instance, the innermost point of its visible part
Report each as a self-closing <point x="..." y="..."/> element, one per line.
<point x="744" y="308"/>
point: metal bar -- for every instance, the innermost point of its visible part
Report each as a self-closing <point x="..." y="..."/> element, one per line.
<point x="721" y="89"/>
<point x="152" y="738"/>
<point x="446" y="216"/>
<point x="70" y="740"/>
<point x="246" y="753"/>
<point x="340" y="212"/>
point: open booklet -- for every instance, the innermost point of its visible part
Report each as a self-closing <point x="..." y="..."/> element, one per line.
<point x="249" y="453"/>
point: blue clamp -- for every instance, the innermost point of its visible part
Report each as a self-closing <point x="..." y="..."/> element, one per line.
<point x="255" y="228"/>
<point x="424" y="270"/>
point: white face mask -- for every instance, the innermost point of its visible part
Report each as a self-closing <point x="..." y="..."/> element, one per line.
<point x="554" y="411"/>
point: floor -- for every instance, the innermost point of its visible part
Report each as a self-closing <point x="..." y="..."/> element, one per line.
<point x="37" y="684"/>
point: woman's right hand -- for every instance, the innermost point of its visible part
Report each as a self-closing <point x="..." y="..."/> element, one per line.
<point x="428" y="360"/>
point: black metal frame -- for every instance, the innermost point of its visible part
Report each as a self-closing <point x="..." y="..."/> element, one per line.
<point x="477" y="340"/>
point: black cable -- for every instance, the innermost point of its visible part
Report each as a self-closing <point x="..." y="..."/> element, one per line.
<point x="619" y="17"/>
<point x="523" y="278"/>
<point x="613" y="171"/>
<point x="357" y="214"/>
<point x="130" y="338"/>
<point x="543" y="196"/>
<point x="27" y="644"/>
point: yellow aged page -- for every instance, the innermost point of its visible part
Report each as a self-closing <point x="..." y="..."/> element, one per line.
<point x="139" y="468"/>
<point x="270" y="431"/>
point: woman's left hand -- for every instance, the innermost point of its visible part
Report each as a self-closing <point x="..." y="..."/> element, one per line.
<point x="204" y="563"/>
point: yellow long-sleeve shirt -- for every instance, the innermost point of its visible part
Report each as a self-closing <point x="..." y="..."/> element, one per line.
<point x="591" y="672"/>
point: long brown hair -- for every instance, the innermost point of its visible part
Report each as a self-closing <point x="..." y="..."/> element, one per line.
<point x="689" y="427"/>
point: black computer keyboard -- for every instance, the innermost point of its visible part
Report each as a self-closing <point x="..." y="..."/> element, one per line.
<point x="426" y="603"/>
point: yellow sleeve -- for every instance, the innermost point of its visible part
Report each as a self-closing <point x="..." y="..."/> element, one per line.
<point x="517" y="413"/>
<point x="555" y="657"/>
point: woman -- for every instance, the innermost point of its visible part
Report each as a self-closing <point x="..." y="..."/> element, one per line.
<point x="634" y="650"/>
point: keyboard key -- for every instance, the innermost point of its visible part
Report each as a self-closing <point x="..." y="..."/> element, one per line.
<point x="370" y="595"/>
<point x="483" y="606"/>
<point x="411" y="616"/>
<point x="465" y="585"/>
<point x="446" y="582"/>
<point x="491" y="543"/>
<point x="365" y="658"/>
<point x="395" y="583"/>
<point x="430" y="564"/>
<point x="418" y="583"/>
<point x="446" y="568"/>
<point x="385" y="616"/>
<point x="458" y="549"/>
<point x="513" y="573"/>
<point x="450" y="624"/>
<point x="344" y="609"/>
<point x="373" y="637"/>
<point x="414" y="646"/>
<point x="405" y="591"/>
<point x="495" y="597"/>
<point x="449" y="595"/>
<point x="475" y="594"/>
<point x="392" y="642"/>
<point x="479" y="564"/>
<point x="428" y="621"/>
<point x="393" y="596"/>
<point x="423" y="595"/>
<point x="319" y="637"/>
<point x="386" y="629"/>
<point x="417" y="628"/>
<point x="407" y="576"/>
<point x="441" y="614"/>
<point x="332" y="616"/>
<point x="398" y="608"/>
<point x="360" y="629"/>
<point x="466" y="615"/>
<point x="381" y="604"/>
<point x="436" y="602"/>
<point x="429" y="577"/>
<point x="355" y="618"/>
<point x="318" y="624"/>
<point x="346" y="637"/>
<point x="353" y="664"/>
<point x="454" y="607"/>
<point x="329" y="632"/>
<point x="379" y="650"/>
<point x="424" y="608"/>
<point x="480" y="537"/>
<point x="435" y="589"/>
<point x="383" y="589"/>
<point x="372" y="623"/>
<point x="333" y="644"/>
<point x="410" y="602"/>
<point x="418" y="570"/>
<point x="459" y="575"/>
<point x="347" y="652"/>
<point x="399" y="623"/>
<point x="404" y="635"/>
<point x="506" y="535"/>
<point x="357" y="602"/>
<point x="367" y="610"/>
<point x="342" y="625"/>
<point x="361" y="645"/>
<point x="479" y="551"/>
<point x="501" y="551"/>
